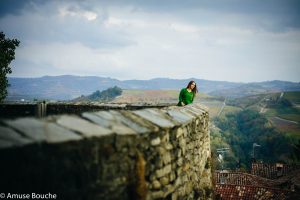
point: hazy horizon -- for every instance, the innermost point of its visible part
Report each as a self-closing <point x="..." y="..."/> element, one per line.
<point x="191" y="78"/>
<point x="230" y="40"/>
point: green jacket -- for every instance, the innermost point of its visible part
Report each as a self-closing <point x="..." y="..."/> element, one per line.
<point x="186" y="97"/>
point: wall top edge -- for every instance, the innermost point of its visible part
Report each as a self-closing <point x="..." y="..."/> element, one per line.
<point x="64" y="128"/>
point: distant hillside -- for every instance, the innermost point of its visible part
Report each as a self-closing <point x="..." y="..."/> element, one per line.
<point x="57" y="87"/>
<point x="69" y="87"/>
<point x="282" y="109"/>
<point x="257" y="88"/>
<point x="271" y="120"/>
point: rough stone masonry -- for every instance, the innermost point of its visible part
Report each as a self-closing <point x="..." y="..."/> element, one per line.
<point x="116" y="154"/>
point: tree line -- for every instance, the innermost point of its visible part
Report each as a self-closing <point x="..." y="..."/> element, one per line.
<point x="241" y="130"/>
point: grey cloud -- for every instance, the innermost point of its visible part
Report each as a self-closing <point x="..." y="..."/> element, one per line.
<point x="272" y="15"/>
<point x="278" y="15"/>
<point x="16" y="7"/>
<point x="43" y="23"/>
<point x="13" y="7"/>
<point x="210" y="34"/>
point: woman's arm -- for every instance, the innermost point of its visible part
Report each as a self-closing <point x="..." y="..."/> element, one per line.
<point x="181" y="97"/>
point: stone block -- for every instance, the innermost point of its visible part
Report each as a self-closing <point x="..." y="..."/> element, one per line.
<point x="106" y="115"/>
<point x="197" y="122"/>
<point x="159" y="163"/>
<point x="128" y="122"/>
<point x="182" y="142"/>
<point x="195" y="110"/>
<point x="195" y="177"/>
<point x="179" y="171"/>
<point x="188" y="156"/>
<point x="173" y="166"/>
<point x="179" y="116"/>
<point x="165" y="137"/>
<point x="86" y="128"/>
<point x="163" y="171"/>
<point x="152" y="177"/>
<point x="42" y="131"/>
<point x="168" y="189"/>
<point x="174" y="196"/>
<point x="186" y="166"/>
<point x="169" y="146"/>
<point x="156" y="117"/>
<point x="202" y="109"/>
<point x="186" y="131"/>
<point x="184" y="178"/>
<point x="188" y="189"/>
<point x="198" y="136"/>
<point x="178" y="181"/>
<point x="161" y="150"/>
<point x="179" y="132"/>
<point x="172" y="176"/>
<point x="135" y="121"/>
<point x="196" y="159"/>
<point x="157" y="195"/>
<point x="189" y="112"/>
<point x="178" y="152"/>
<point x="166" y="158"/>
<point x="152" y="167"/>
<point x="190" y="145"/>
<point x="197" y="143"/>
<point x="179" y="161"/>
<point x="122" y="141"/>
<point x="156" y="184"/>
<point x="8" y="135"/>
<point x="108" y="122"/>
<point x="155" y="141"/>
<point x="183" y="149"/>
<point x="164" y="180"/>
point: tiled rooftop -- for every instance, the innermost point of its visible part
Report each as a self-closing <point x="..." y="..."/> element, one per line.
<point x="249" y="192"/>
<point x="240" y="178"/>
<point x="243" y="186"/>
<point x="272" y="171"/>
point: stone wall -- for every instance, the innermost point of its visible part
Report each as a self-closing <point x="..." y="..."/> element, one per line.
<point x="116" y="154"/>
<point x="41" y="109"/>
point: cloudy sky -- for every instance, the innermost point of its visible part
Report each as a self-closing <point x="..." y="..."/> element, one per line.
<point x="231" y="40"/>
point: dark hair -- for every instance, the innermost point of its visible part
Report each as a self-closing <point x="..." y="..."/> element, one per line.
<point x="195" y="90"/>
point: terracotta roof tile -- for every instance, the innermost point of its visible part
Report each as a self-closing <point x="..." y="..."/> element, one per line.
<point x="249" y="192"/>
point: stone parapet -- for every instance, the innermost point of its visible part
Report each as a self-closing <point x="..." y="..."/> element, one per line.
<point x="151" y="153"/>
<point x="11" y="110"/>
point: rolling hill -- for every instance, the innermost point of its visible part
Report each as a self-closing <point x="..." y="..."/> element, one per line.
<point x="257" y="88"/>
<point x="69" y="87"/>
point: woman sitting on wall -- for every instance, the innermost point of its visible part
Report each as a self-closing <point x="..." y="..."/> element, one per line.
<point x="187" y="94"/>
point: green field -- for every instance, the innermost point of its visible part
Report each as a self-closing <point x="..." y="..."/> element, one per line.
<point x="280" y="129"/>
<point x="229" y="109"/>
<point x="290" y="129"/>
<point x="148" y="96"/>
<point x="282" y="110"/>
<point x="292" y="96"/>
